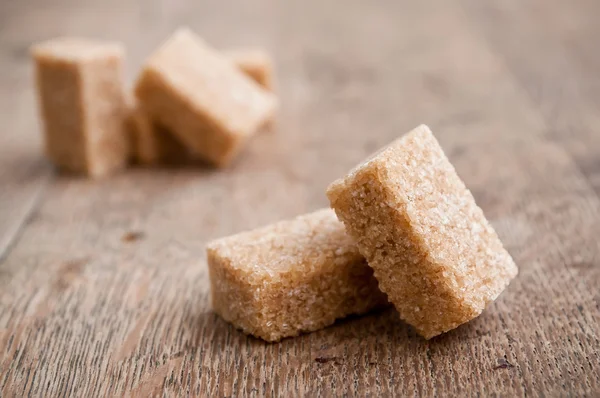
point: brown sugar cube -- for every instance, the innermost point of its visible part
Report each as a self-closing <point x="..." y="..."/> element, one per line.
<point x="294" y="276"/>
<point x="153" y="143"/>
<point x="202" y="98"/>
<point x="258" y="65"/>
<point x="82" y="103"/>
<point x="434" y="253"/>
<point x="255" y="63"/>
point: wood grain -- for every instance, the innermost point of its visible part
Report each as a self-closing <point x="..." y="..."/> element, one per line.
<point x="103" y="285"/>
<point x="23" y="173"/>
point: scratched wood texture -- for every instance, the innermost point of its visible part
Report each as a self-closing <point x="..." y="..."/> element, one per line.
<point x="103" y="284"/>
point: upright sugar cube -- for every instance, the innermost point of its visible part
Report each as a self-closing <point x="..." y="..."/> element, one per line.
<point x="82" y="102"/>
<point x="434" y="253"/>
<point x="294" y="276"/>
<point x="153" y="143"/>
<point x="202" y="98"/>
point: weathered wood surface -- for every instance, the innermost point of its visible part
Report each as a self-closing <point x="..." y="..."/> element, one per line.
<point x="103" y="285"/>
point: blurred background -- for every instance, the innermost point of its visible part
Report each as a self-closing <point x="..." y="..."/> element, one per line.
<point x="510" y="88"/>
<point x="351" y="77"/>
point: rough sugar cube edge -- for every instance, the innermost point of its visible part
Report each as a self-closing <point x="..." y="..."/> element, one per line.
<point x="434" y="253"/>
<point x="290" y="277"/>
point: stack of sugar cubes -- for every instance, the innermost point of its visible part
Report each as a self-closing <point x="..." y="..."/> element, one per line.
<point x="410" y="234"/>
<point x="189" y="101"/>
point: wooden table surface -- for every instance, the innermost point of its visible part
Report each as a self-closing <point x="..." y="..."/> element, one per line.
<point x="103" y="284"/>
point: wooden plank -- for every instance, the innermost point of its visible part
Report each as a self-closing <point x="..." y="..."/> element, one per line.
<point x="85" y="310"/>
<point x="23" y="173"/>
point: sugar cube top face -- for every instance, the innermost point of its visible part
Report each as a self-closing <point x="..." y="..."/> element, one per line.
<point x="434" y="253"/>
<point x="199" y="95"/>
<point x="83" y="104"/>
<point x="294" y="276"/>
<point x="74" y="49"/>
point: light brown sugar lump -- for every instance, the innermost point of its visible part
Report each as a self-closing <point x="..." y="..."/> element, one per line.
<point x="152" y="143"/>
<point x="82" y="103"/>
<point x="202" y="98"/>
<point x="433" y="252"/>
<point x="294" y="276"/>
<point x="255" y="63"/>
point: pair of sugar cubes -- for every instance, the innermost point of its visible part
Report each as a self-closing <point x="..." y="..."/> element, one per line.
<point x="410" y="233"/>
<point x="190" y="98"/>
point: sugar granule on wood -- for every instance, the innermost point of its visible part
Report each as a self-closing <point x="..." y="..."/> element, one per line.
<point x="200" y="96"/>
<point x="434" y="253"/>
<point x="290" y="277"/>
<point x="82" y="103"/>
